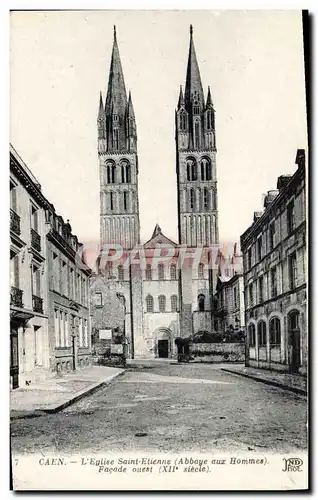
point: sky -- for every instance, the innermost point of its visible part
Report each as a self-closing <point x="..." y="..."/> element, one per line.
<point x="252" y="60"/>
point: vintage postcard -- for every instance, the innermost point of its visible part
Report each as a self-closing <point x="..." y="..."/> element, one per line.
<point x="158" y="250"/>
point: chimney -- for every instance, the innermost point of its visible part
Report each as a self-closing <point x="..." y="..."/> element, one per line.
<point x="282" y="180"/>
<point x="257" y="215"/>
<point x="300" y="157"/>
<point x="270" y="197"/>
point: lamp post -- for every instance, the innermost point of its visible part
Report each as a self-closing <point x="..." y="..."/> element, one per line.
<point x="122" y="299"/>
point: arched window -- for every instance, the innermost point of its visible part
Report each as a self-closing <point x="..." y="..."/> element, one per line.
<point x="162" y="303"/>
<point x="128" y="174"/>
<point x="125" y="201"/>
<point x="261" y="333"/>
<point x="149" y="303"/>
<point x="192" y="198"/>
<point x="173" y="272"/>
<point x="125" y="172"/>
<point x="251" y="334"/>
<point x="201" y="270"/>
<point x="111" y="196"/>
<point x="274" y="331"/>
<point x="206" y="170"/>
<point x="161" y="272"/>
<point x="111" y="170"/>
<point x="192" y="170"/>
<point x="293" y="320"/>
<point x="174" y="303"/>
<point x="201" y="302"/>
<point x="148" y="272"/>
<point x="206" y="199"/>
<point x="121" y="275"/>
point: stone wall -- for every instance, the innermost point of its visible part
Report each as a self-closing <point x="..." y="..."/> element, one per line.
<point x="218" y="353"/>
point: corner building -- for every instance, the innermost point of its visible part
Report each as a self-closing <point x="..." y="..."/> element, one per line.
<point x="155" y="300"/>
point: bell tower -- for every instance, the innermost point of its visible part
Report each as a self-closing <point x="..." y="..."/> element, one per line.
<point x="196" y="160"/>
<point x="118" y="161"/>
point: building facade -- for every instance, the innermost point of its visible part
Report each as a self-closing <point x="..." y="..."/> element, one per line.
<point x="230" y="308"/>
<point x="49" y="286"/>
<point x="156" y="299"/>
<point x="275" y="277"/>
<point x="68" y="297"/>
<point x="29" y="334"/>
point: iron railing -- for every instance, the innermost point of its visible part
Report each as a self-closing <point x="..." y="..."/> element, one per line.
<point x="35" y="240"/>
<point x="37" y="303"/>
<point x="16" y="297"/>
<point x="14" y="222"/>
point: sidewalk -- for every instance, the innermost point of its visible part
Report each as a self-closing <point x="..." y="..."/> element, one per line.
<point x="294" y="383"/>
<point x="58" y="392"/>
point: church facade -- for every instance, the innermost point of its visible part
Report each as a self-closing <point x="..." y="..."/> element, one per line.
<point x="158" y="291"/>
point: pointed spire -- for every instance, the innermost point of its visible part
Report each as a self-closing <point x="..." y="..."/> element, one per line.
<point x="130" y="109"/>
<point x="181" y="98"/>
<point x="193" y="80"/>
<point x="116" y="100"/>
<point x="209" y="103"/>
<point x="101" y="114"/>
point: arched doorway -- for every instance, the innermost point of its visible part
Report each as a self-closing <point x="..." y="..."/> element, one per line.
<point x="294" y="341"/>
<point x="163" y="343"/>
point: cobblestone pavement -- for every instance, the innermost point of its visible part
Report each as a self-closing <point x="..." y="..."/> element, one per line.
<point x="171" y="408"/>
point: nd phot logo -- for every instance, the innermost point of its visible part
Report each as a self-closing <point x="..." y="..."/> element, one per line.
<point x="292" y="464"/>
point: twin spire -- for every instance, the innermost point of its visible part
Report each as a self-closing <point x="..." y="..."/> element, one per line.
<point x="116" y="121"/>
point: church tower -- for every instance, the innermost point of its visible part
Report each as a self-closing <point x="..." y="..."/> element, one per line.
<point x="117" y="150"/>
<point x="196" y="160"/>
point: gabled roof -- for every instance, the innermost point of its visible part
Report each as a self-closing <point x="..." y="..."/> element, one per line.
<point x="158" y="238"/>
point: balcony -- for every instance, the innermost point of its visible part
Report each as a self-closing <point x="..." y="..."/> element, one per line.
<point x="16" y="297"/>
<point x="14" y="222"/>
<point x="35" y="240"/>
<point x="221" y="311"/>
<point x="37" y="304"/>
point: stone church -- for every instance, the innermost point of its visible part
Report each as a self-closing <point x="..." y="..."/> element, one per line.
<point x="161" y="290"/>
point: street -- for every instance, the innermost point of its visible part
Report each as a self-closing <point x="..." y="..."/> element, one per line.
<point x="168" y="407"/>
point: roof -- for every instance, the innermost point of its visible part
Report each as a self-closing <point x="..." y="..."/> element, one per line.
<point x="158" y="238"/>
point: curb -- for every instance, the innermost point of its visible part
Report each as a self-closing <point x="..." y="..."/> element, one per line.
<point x="296" y="390"/>
<point x="56" y="409"/>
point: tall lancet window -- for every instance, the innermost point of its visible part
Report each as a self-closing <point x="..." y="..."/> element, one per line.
<point x="182" y="121"/>
<point x="111" y="199"/>
<point x="192" y="198"/>
<point x="125" y="201"/>
<point x="125" y="172"/>
<point x="206" y="199"/>
<point x="115" y="138"/>
<point x="192" y="170"/>
<point x="209" y="119"/>
<point x="111" y="169"/>
<point x="206" y="171"/>
<point x="197" y="134"/>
